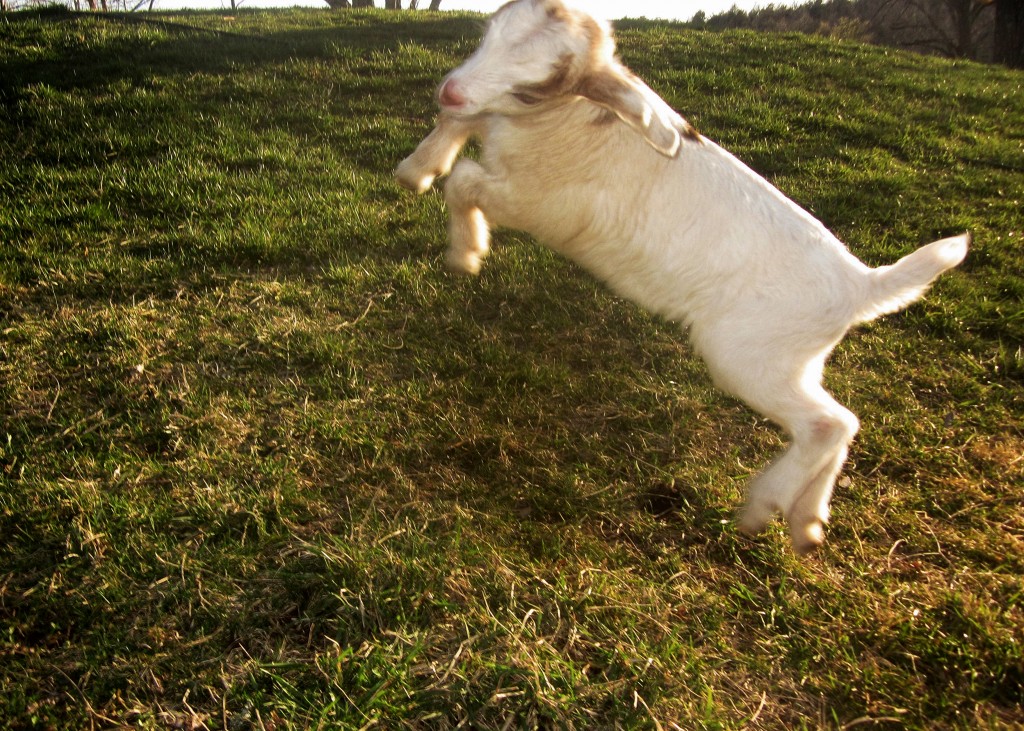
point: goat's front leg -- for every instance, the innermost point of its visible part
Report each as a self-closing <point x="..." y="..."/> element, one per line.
<point x="435" y="154"/>
<point x="470" y="192"/>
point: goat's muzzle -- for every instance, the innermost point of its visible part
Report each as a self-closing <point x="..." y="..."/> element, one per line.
<point x="450" y="96"/>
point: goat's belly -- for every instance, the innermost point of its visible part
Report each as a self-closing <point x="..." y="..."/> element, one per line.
<point x="647" y="281"/>
<point x="678" y="283"/>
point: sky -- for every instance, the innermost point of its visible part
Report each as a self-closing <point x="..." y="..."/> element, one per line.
<point x="612" y="9"/>
<point x="609" y="9"/>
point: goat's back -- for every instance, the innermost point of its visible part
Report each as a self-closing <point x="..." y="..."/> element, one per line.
<point x="681" y="235"/>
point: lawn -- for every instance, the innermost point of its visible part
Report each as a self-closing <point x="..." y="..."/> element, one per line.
<point x="264" y="464"/>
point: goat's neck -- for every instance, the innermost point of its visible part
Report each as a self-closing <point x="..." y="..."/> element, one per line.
<point x="560" y="142"/>
<point x="552" y="168"/>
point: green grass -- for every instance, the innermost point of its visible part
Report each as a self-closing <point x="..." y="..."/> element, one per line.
<point x="265" y="465"/>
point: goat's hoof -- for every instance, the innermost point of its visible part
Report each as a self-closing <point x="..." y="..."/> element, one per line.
<point x="755" y="517"/>
<point x="419" y="186"/>
<point x="807" y="538"/>
<point x="750" y="526"/>
<point x="409" y="177"/>
<point x="460" y="262"/>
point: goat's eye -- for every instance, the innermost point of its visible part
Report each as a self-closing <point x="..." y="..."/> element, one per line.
<point x="527" y="99"/>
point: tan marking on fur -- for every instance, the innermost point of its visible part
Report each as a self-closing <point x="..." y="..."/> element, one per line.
<point x="604" y="117"/>
<point x="565" y="75"/>
<point x="557" y="84"/>
<point x="604" y="92"/>
<point x="597" y="36"/>
<point x="558" y="12"/>
<point x="568" y="78"/>
<point x="603" y="88"/>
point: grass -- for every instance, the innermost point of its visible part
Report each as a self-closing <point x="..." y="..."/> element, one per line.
<point x="265" y="465"/>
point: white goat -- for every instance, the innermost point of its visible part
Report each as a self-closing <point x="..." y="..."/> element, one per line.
<point x="582" y="155"/>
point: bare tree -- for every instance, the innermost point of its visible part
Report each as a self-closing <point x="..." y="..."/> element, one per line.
<point x="388" y="4"/>
<point x="963" y="15"/>
<point x="948" y="27"/>
<point x="958" y="28"/>
<point x="1009" y="33"/>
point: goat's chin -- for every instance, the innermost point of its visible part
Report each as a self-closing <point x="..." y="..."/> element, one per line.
<point x="463" y="113"/>
<point x="498" y="108"/>
<point x="473" y="108"/>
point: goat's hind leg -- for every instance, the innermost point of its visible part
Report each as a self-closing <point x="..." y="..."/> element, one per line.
<point x="798" y="483"/>
<point x="435" y="155"/>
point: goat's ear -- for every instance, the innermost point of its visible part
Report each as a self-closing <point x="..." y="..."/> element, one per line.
<point x="632" y="100"/>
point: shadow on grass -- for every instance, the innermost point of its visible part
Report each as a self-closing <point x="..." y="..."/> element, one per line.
<point x="180" y="193"/>
<point x="187" y="43"/>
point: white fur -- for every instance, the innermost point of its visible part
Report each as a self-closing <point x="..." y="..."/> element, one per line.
<point x="604" y="172"/>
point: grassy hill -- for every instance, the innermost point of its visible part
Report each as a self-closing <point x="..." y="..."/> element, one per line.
<point x="265" y="465"/>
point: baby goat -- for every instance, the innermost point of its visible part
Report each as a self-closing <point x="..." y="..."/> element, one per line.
<point x="582" y="155"/>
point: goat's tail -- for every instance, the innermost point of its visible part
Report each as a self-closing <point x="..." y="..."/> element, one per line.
<point x="895" y="286"/>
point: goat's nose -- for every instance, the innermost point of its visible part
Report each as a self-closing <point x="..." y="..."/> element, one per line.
<point x="450" y="95"/>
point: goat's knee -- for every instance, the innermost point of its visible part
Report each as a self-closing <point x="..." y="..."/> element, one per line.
<point x="839" y="426"/>
<point x="416" y="176"/>
<point x="808" y="511"/>
<point x="434" y="156"/>
<point x="466" y="187"/>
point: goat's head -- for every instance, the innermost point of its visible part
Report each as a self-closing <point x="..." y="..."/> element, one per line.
<point x="540" y="53"/>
